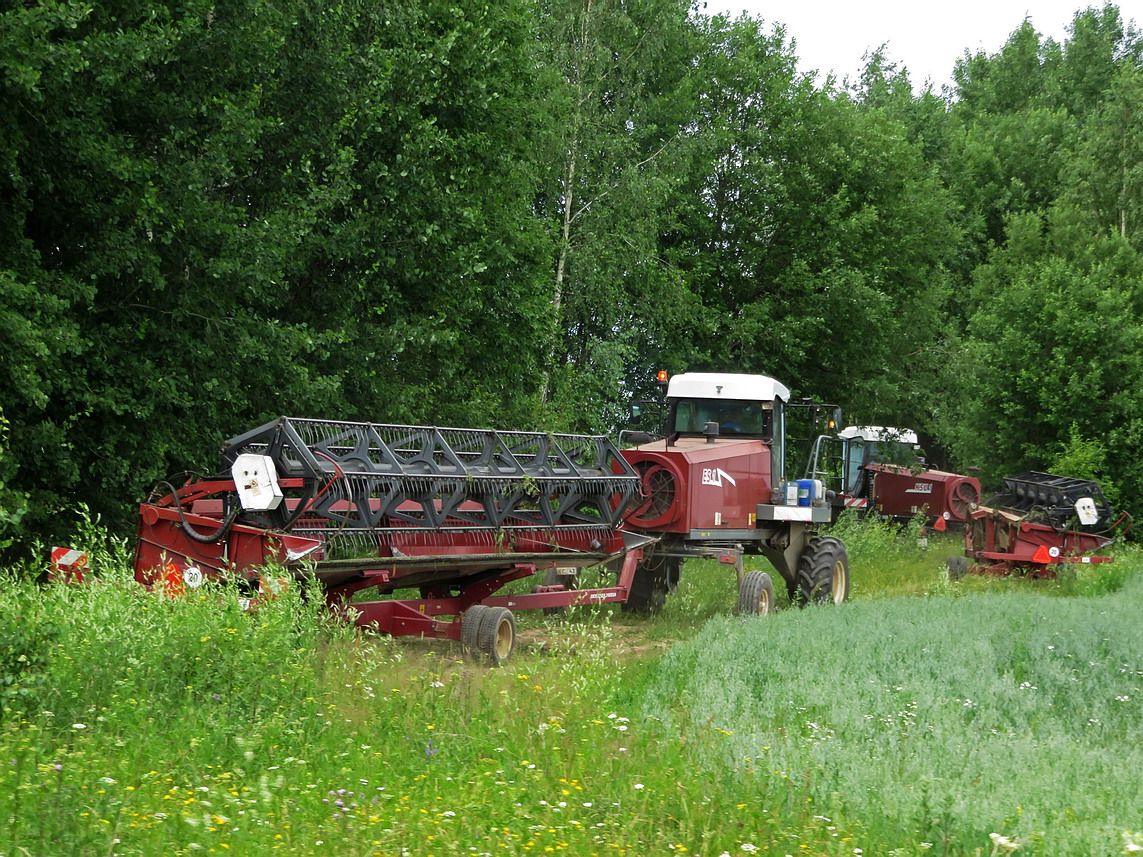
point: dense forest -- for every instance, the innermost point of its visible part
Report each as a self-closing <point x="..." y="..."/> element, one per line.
<point x="511" y="214"/>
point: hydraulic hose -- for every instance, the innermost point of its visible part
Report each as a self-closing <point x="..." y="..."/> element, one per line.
<point x="202" y="538"/>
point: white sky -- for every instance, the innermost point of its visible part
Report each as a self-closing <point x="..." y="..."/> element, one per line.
<point x="924" y="36"/>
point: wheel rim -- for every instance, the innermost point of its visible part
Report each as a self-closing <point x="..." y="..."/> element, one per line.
<point x="838" y="585"/>
<point x="764" y="603"/>
<point x="504" y="636"/>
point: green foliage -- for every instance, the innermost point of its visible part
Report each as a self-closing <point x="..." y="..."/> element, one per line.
<point x="13" y="505"/>
<point x="1085" y="458"/>
<point x="513" y="214"/>
<point x="27" y="638"/>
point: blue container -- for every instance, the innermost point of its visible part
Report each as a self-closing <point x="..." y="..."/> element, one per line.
<point x="805" y="492"/>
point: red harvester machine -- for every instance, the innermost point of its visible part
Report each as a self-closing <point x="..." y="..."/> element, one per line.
<point x="714" y="485"/>
<point x="1038" y="522"/>
<point x="876" y="469"/>
<point x="454" y="514"/>
<point x="457" y="514"/>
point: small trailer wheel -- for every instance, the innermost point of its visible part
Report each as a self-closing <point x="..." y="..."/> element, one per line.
<point x="756" y="595"/>
<point x="497" y="635"/>
<point x="958" y="567"/>
<point x="470" y="625"/>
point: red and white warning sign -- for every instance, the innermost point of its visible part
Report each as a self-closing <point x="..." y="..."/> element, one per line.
<point x="68" y="565"/>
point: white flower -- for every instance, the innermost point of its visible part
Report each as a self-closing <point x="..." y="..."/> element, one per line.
<point x="748" y="848"/>
<point x="79" y="726"/>
<point x="638" y="785"/>
<point x="1003" y="842"/>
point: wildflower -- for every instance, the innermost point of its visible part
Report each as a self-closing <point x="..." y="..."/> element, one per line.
<point x="79" y="726"/>
<point x="749" y="847"/>
<point x="638" y="786"/>
<point x="1003" y="843"/>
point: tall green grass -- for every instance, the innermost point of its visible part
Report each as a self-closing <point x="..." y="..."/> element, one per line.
<point x="937" y="720"/>
<point x="135" y="724"/>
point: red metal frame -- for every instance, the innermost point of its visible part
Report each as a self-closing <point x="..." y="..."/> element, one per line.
<point x="1000" y="542"/>
<point x="452" y="570"/>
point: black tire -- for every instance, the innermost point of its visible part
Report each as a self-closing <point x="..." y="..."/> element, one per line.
<point x="654" y="580"/>
<point x="552" y="577"/>
<point x="496" y="637"/>
<point x="823" y="572"/>
<point x="470" y="625"/>
<point x="958" y="567"/>
<point x="756" y="595"/>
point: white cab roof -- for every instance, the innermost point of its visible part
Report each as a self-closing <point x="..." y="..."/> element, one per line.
<point x="884" y="433"/>
<point x="719" y="385"/>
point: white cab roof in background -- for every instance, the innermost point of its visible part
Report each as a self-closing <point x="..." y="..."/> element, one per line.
<point x="719" y="385"/>
<point x="883" y="433"/>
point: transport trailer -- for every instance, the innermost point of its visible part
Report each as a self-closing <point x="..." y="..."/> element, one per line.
<point x="449" y="516"/>
<point x="1037" y="523"/>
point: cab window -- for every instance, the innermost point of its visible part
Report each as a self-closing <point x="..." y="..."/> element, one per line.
<point x="733" y="417"/>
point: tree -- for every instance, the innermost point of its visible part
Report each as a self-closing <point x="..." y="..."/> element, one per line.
<point x="812" y="229"/>
<point x="620" y="106"/>
<point x="216" y="214"/>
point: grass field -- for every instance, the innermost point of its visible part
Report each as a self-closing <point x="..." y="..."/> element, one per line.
<point x="923" y="718"/>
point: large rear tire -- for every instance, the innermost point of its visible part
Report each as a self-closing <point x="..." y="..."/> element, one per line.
<point x="823" y="572"/>
<point x="654" y="580"/>
<point x="756" y="595"/>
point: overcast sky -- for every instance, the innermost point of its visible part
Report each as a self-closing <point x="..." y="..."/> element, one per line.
<point x="924" y="36"/>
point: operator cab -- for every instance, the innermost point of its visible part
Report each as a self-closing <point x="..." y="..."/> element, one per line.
<point x="742" y="406"/>
<point x="880" y="444"/>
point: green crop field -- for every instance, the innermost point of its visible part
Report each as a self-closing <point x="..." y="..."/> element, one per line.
<point x="980" y="717"/>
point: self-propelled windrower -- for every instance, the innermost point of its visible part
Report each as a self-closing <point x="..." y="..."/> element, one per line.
<point x="438" y="521"/>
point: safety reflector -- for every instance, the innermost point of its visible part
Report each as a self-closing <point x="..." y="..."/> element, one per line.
<point x="1042" y="555"/>
<point x="939" y="525"/>
<point x="68" y="565"/>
